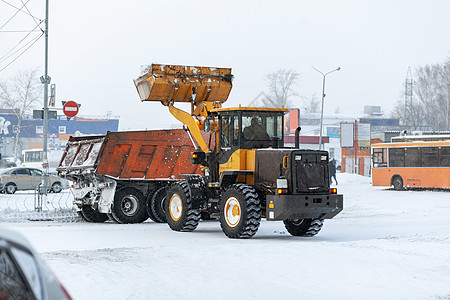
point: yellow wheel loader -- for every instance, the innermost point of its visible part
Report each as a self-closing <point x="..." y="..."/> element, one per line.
<point x="248" y="174"/>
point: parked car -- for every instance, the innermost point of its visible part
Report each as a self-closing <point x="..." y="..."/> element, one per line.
<point x="23" y="274"/>
<point x="29" y="179"/>
<point x="7" y="162"/>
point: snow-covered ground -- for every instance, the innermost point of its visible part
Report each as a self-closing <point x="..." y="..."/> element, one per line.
<point x="384" y="245"/>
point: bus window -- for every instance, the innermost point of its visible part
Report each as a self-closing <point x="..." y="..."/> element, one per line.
<point x="379" y="158"/>
<point x="33" y="155"/>
<point x="429" y="156"/>
<point x="444" y="157"/>
<point x="412" y="157"/>
<point x="396" y="157"/>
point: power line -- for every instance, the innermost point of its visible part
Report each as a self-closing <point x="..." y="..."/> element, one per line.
<point x="23" y="52"/>
<point x="31" y="31"/>
<point x="25" y="5"/>
<point x="20" y="9"/>
<point x="19" y="31"/>
<point x="4" y="58"/>
<point x="12" y="16"/>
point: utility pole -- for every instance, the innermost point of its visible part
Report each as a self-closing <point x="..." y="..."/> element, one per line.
<point x="46" y="81"/>
<point x="408" y="98"/>
<point x="448" y="106"/>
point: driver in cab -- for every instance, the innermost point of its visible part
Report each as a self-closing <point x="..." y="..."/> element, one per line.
<point x="255" y="131"/>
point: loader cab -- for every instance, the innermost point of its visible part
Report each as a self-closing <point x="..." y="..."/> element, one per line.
<point x="250" y="128"/>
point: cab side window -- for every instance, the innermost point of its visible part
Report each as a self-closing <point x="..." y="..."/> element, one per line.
<point x="227" y="132"/>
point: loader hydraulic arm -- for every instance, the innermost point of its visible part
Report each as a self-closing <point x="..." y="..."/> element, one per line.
<point x="204" y="87"/>
<point x="189" y="121"/>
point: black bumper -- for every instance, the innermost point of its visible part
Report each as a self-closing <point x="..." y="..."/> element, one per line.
<point x="283" y="207"/>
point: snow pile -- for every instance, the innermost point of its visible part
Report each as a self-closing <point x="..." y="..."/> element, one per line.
<point x="384" y="245"/>
<point x="20" y="216"/>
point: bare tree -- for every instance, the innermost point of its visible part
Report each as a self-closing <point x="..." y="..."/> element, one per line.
<point x="281" y="88"/>
<point x="429" y="109"/>
<point x="311" y="104"/>
<point x="21" y="93"/>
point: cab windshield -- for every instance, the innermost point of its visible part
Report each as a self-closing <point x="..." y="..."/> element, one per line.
<point x="261" y="126"/>
<point x="251" y="129"/>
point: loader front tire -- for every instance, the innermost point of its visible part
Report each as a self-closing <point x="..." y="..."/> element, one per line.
<point x="303" y="227"/>
<point x="129" y="206"/>
<point x="93" y="216"/>
<point x="180" y="214"/>
<point x="240" y="211"/>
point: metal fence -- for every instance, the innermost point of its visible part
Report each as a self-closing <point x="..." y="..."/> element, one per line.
<point x="27" y="206"/>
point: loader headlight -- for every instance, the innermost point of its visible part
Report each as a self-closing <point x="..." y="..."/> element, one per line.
<point x="323" y="157"/>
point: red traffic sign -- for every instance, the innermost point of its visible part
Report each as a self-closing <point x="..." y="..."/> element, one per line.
<point x="70" y="109"/>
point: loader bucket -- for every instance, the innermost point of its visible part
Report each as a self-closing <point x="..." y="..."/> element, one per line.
<point x="167" y="83"/>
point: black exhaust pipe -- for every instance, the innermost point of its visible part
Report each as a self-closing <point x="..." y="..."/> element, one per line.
<point x="297" y="138"/>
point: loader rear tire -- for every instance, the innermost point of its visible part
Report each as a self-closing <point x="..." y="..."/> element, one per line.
<point x="303" y="227"/>
<point x="178" y="207"/>
<point x="156" y="204"/>
<point x="93" y="216"/>
<point x="129" y="206"/>
<point x="240" y="211"/>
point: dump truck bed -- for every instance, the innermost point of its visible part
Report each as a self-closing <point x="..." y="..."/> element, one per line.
<point x="131" y="155"/>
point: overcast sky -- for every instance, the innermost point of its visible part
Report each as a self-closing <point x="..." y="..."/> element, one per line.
<point x="96" y="48"/>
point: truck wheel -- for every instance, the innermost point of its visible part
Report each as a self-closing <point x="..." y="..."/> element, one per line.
<point x="111" y="218"/>
<point x="397" y="182"/>
<point x="149" y="208"/>
<point x="129" y="206"/>
<point x="90" y="215"/>
<point x="240" y="211"/>
<point x="303" y="227"/>
<point x="155" y="205"/>
<point x="179" y="212"/>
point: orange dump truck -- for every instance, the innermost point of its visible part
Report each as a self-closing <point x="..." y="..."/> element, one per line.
<point x="123" y="176"/>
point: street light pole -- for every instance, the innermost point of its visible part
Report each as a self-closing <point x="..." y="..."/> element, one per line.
<point x="323" y="97"/>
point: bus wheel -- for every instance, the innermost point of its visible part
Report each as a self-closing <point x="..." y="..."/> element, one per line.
<point x="397" y="182"/>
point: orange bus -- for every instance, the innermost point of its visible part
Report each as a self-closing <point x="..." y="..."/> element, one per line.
<point x="414" y="161"/>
